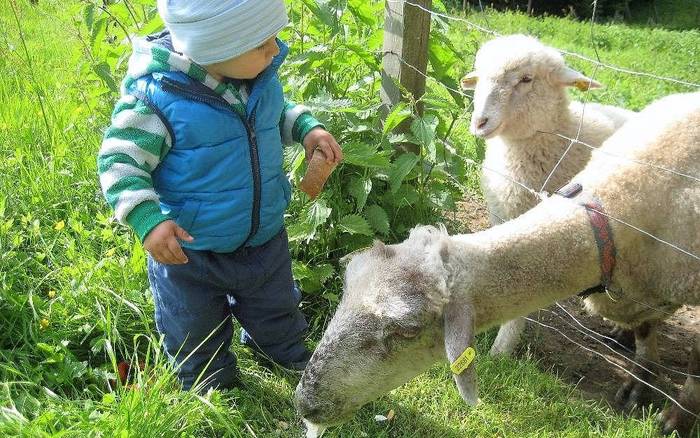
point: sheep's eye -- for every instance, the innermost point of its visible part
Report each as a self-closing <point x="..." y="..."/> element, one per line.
<point x="408" y="334"/>
<point x="526" y="79"/>
<point x="395" y="330"/>
<point x="405" y="332"/>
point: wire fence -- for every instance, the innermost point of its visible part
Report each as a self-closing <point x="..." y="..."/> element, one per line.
<point x="645" y="363"/>
<point x="596" y="62"/>
<point x="622" y="368"/>
<point x="540" y="194"/>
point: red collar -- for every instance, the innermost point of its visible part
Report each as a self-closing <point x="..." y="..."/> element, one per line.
<point x="602" y="232"/>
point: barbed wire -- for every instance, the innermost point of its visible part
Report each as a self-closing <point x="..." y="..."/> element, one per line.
<point x="599" y="341"/>
<point x="565" y="52"/>
<point x="448" y="17"/>
<point x="417" y="70"/>
<point x="586" y="99"/>
<point x="541" y="195"/>
<point x="632" y="160"/>
<point x="619" y="344"/>
<point x="572" y="140"/>
<point x="630" y="373"/>
<point x="648" y="234"/>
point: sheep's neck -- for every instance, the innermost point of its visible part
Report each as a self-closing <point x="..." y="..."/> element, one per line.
<point x="523" y="265"/>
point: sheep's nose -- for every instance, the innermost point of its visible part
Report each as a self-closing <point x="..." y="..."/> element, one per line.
<point x="480" y="123"/>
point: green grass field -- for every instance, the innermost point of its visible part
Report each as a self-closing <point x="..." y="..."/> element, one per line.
<point x="74" y="298"/>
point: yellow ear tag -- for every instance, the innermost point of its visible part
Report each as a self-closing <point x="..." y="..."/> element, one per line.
<point x="463" y="361"/>
<point x="582" y="84"/>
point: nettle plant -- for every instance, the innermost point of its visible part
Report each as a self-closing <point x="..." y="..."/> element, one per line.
<point x="377" y="192"/>
<point x="334" y="67"/>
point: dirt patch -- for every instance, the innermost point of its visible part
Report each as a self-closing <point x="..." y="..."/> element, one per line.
<point x="596" y="368"/>
<point x="472" y="214"/>
<point x="592" y="366"/>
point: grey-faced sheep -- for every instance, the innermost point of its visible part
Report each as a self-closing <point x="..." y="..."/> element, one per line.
<point x="520" y="101"/>
<point x="408" y="305"/>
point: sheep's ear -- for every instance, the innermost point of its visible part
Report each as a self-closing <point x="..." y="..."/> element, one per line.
<point x="344" y="260"/>
<point x="459" y="347"/>
<point x="382" y="250"/>
<point x="469" y="81"/>
<point x="569" y="77"/>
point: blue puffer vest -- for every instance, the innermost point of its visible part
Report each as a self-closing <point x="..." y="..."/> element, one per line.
<point x="222" y="180"/>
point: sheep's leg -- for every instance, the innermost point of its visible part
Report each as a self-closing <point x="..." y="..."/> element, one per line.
<point x="675" y="418"/>
<point x="634" y="393"/>
<point x="508" y="337"/>
<point x="622" y="338"/>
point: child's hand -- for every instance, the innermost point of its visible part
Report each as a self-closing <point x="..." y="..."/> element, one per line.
<point x="162" y="243"/>
<point x="321" y="139"/>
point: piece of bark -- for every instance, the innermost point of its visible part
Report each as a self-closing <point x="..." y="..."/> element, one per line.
<point x="316" y="175"/>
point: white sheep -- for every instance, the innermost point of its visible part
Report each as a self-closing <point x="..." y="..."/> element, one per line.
<point x="408" y="305"/>
<point x="520" y="101"/>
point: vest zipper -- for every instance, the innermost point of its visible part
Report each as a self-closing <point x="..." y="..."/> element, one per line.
<point x="255" y="162"/>
<point x="171" y="86"/>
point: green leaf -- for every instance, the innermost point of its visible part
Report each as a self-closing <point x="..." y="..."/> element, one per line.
<point x="400" y="113"/>
<point x="103" y="71"/>
<point x="294" y="159"/>
<point x="441" y="55"/>
<point x="324" y="102"/>
<point x="319" y="212"/>
<point x="401" y="138"/>
<point x="361" y="10"/>
<point x="359" y="188"/>
<point x="89" y="16"/>
<point x="355" y="224"/>
<point x="137" y="262"/>
<point x="46" y="348"/>
<point x="155" y="24"/>
<point x="311" y="279"/>
<point x="366" y="56"/>
<point x="441" y="197"/>
<point x="439" y="103"/>
<point x="324" y="272"/>
<point x="300" y="270"/>
<point x="402" y="166"/>
<point x="98" y="32"/>
<point x="375" y="40"/>
<point x="364" y="155"/>
<point x="109" y="398"/>
<point x="423" y="128"/>
<point x="377" y="218"/>
<point x="300" y="231"/>
<point x="407" y="195"/>
<point x="431" y="152"/>
<point x="321" y="11"/>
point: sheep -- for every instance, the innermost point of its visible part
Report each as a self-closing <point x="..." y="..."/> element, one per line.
<point x="520" y="99"/>
<point x="408" y="305"/>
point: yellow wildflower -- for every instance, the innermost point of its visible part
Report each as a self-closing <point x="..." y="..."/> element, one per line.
<point x="59" y="225"/>
<point x="52" y="294"/>
<point x="44" y="323"/>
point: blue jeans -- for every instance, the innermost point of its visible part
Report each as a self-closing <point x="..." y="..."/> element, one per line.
<point x="194" y="304"/>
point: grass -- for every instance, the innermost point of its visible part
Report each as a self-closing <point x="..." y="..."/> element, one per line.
<point x="73" y="292"/>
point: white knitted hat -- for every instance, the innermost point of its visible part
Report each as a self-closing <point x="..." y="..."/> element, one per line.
<point x="210" y="31"/>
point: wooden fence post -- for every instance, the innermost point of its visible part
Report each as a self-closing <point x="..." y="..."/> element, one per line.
<point x="406" y="36"/>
